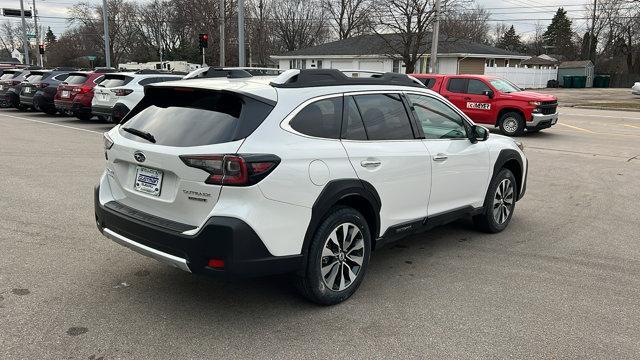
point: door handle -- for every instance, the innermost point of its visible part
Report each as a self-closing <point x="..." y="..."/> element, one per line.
<point x="440" y="157"/>
<point x="467" y="98"/>
<point x="370" y="163"/>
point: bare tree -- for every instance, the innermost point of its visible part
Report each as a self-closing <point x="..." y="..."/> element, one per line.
<point x="298" y="24"/>
<point x="470" y="24"/>
<point x="498" y="32"/>
<point x="409" y="21"/>
<point x="349" y="17"/>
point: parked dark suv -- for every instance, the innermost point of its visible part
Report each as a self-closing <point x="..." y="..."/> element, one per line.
<point x="39" y="91"/>
<point x="11" y="97"/>
<point x="7" y="81"/>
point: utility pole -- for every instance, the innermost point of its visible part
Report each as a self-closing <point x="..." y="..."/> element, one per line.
<point x="434" y="40"/>
<point x="35" y="23"/>
<point x="105" y="20"/>
<point x="25" y="41"/>
<point x="591" y="34"/>
<point x="241" y="55"/>
<point x="221" y="20"/>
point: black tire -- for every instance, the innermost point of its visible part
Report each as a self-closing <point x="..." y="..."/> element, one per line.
<point x="49" y="111"/>
<point x="312" y="284"/>
<point x="487" y="221"/>
<point x="84" y="117"/>
<point x="512" y="124"/>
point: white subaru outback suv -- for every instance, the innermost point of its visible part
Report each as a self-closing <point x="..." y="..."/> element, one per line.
<point x="307" y="174"/>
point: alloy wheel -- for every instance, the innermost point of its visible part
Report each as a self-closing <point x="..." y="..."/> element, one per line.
<point x="503" y="201"/>
<point x="342" y="257"/>
<point x="510" y="125"/>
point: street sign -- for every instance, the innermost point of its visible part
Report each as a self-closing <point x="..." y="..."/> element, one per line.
<point x="91" y="58"/>
<point x="31" y="35"/>
<point x="15" y="12"/>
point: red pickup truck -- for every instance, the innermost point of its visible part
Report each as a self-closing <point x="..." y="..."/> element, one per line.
<point x="495" y="101"/>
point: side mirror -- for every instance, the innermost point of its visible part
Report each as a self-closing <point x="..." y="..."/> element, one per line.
<point x="488" y="93"/>
<point x="480" y="133"/>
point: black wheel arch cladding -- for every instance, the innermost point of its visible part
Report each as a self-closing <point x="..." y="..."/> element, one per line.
<point x="350" y="192"/>
<point x="508" y="158"/>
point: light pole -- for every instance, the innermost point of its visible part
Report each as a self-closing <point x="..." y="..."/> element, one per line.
<point x="434" y="40"/>
<point x="221" y="14"/>
<point x="35" y="23"/>
<point x="105" y="20"/>
<point x="241" y="56"/>
<point x="25" y="44"/>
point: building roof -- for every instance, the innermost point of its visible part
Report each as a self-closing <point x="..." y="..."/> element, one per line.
<point x="575" y="64"/>
<point x="538" y="60"/>
<point x="383" y="44"/>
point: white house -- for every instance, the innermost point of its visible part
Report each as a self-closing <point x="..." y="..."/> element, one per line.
<point x="374" y="52"/>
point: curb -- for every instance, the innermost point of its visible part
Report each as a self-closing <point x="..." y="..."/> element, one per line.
<point x="603" y="108"/>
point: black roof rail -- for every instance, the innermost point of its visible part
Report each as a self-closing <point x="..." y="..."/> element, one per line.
<point x="335" y="77"/>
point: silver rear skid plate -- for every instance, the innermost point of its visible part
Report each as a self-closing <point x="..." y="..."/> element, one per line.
<point x="163" y="257"/>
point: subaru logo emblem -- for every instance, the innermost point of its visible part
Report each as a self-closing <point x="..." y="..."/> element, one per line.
<point x="139" y="156"/>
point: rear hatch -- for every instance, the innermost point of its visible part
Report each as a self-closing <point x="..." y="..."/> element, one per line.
<point x="33" y="83"/>
<point x="6" y="78"/>
<point x="111" y="87"/>
<point x="172" y="174"/>
<point x="72" y="86"/>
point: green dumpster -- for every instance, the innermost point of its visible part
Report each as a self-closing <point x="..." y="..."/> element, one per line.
<point x="579" y="81"/>
<point x="606" y="80"/>
<point x="567" y="81"/>
<point x="597" y="81"/>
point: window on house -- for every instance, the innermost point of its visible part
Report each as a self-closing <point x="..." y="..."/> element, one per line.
<point x="396" y="66"/>
<point x="319" y="64"/>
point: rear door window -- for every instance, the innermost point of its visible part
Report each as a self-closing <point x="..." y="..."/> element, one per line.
<point x="457" y="85"/>
<point x="320" y="119"/>
<point x="35" y="78"/>
<point x="352" y="125"/>
<point x="195" y="117"/>
<point x="61" y="77"/>
<point x="385" y="117"/>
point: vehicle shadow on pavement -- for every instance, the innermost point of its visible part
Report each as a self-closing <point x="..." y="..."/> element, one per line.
<point x="162" y="287"/>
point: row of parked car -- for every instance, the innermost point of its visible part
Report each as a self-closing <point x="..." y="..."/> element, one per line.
<point x="105" y="93"/>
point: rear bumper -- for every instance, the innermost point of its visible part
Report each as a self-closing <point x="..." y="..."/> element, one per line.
<point x="224" y="238"/>
<point x="26" y="100"/>
<point x="117" y="112"/>
<point x="540" y="121"/>
<point x="74" y="107"/>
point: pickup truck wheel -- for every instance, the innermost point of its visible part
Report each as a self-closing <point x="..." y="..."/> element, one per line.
<point x="512" y="124"/>
<point x="499" y="203"/>
<point x="338" y="257"/>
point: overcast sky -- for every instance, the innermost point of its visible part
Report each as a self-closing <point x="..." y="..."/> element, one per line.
<point x="523" y="14"/>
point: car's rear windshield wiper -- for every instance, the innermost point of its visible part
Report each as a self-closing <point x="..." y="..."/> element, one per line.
<point x="143" y="134"/>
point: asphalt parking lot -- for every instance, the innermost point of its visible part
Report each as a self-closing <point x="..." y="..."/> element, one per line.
<point x="563" y="281"/>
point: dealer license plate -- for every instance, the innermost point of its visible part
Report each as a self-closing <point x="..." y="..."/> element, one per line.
<point x="65" y="93"/>
<point x="148" y="181"/>
<point x="27" y="90"/>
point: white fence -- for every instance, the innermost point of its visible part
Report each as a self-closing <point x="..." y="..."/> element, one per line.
<point x="523" y="77"/>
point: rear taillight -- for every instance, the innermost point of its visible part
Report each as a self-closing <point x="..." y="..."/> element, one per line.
<point x="84" y="89"/>
<point x="14" y="82"/>
<point x="234" y="170"/>
<point x="122" y="92"/>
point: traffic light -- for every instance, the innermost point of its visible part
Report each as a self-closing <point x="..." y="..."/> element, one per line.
<point x="41" y="49"/>
<point x="204" y="40"/>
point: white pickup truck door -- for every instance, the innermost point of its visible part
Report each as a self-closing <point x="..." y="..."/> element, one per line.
<point x="460" y="169"/>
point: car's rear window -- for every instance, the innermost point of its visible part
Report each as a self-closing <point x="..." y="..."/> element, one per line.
<point x="76" y="79"/>
<point x="428" y="82"/>
<point x="35" y="78"/>
<point x="189" y="117"/>
<point x="7" y="76"/>
<point x="110" y="81"/>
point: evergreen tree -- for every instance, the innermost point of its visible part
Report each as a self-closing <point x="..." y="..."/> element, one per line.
<point x="558" y="35"/>
<point x="584" y="53"/>
<point x="510" y="41"/>
<point x="49" y="37"/>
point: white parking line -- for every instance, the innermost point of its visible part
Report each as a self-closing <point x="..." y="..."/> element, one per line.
<point x="50" y="123"/>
